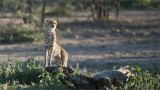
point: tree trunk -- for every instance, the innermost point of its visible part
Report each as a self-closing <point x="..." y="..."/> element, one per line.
<point x="117" y="8"/>
<point x="100" y="9"/>
<point x="43" y="12"/>
<point x="109" y="8"/>
<point x="30" y="10"/>
<point x="100" y="12"/>
<point x="93" y="9"/>
<point x="103" y="10"/>
<point x="1" y="5"/>
<point x="107" y="15"/>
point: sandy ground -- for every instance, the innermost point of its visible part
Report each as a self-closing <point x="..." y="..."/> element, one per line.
<point x="101" y="46"/>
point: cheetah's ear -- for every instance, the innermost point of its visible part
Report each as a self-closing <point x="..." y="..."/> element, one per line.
<point x="55" y="21"/>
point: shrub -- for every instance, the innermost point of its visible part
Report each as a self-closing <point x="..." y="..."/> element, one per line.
<point x="55" y="82"/>
<point x="142" y="80"/>
<point x="25" y="73"/>
<point x="59" y="11"/>
<point x="19" y="33"/>
<point x="30" y="74"/>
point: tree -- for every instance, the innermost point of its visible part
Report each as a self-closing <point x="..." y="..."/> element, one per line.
<point x="117" y="3"/>
<point x="24" y="10"/>
<point x="43" y="12"/>
<point x="93" y="9"/>
<point x="1" y="4"/>
<point x="100" y="9"/>
<point x="30" y="10"/>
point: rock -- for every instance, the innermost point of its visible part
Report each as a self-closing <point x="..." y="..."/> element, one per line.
<point x="98" y="82"/>
<point x="115" y="77"/>
<point x="66" y="70"/>
<point x="85" y="82"/>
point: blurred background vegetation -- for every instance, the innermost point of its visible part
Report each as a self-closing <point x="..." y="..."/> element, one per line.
<point x="30" y="14"/>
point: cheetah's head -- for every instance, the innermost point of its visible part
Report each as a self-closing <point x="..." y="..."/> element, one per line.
<point x="51" y="23"/>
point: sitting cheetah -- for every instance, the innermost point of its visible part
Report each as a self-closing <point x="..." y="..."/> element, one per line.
<point x="52" y="48"/>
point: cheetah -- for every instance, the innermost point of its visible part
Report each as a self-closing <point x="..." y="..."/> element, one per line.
<point x="51" y="46"/>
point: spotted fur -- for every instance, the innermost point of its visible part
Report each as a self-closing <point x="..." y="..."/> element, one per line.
<point x="52" y="48"/>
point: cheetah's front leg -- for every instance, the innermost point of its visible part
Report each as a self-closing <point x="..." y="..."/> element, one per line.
<point x="46" y="57"/>
<point x="50" y="56"/>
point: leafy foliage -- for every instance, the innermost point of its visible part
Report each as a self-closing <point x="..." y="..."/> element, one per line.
<point x="19" y="33"/>
<point x="56" y="81"/>
<point x="31" y="75"/>
<point x="142" y="80"/>
<point x="58" y="11"/>
<point x="16" y="75"/>
<point x="21" y="73"/>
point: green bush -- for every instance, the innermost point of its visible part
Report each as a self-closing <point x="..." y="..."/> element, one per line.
<point x="58" y="11"/>
<point x="142" y="80"/>
<point x="25" y="73"/>
<point x="22" y="33"/>
<point x="55" y="82"/>
<point x="29" y="74"/>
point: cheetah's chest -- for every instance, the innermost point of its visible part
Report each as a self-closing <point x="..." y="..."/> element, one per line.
<point x="49" y="38"/>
